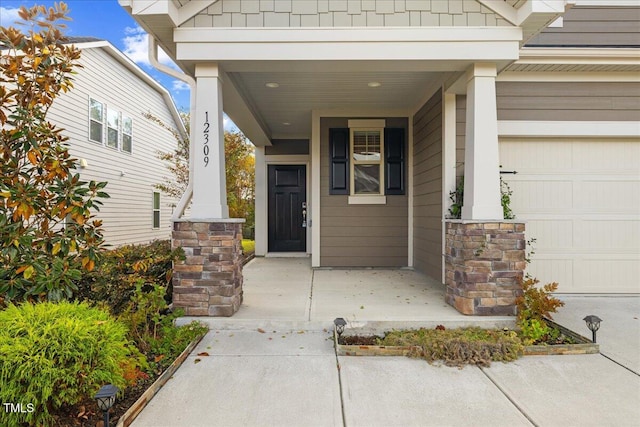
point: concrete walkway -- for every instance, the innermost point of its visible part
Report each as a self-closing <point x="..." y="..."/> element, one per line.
<point x="281" y="369"/>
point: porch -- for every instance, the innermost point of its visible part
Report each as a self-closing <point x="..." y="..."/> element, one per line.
<point x="289" y="290"/>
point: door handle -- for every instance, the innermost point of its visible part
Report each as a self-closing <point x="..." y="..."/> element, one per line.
<point x="304" y="214"/>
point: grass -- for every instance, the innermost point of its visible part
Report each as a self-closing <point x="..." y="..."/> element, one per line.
<point x="248" y="246"/>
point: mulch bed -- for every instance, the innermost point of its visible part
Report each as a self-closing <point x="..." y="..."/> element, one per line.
<point x="87" y="414"/>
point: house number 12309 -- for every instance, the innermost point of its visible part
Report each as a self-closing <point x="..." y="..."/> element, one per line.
<point x="205" y="133"/>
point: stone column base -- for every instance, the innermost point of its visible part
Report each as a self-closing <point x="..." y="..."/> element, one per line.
<point x="484" y="265"/>
<point x="208" y="282"/>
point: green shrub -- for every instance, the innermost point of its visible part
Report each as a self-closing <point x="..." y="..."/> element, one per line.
<point x="457" y="347"/>
<point x="115" y="277"/>
<point x="534" y="305"/>
<point x="57" y="354"/>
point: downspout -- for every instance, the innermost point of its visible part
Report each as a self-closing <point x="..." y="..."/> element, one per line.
<point x="153" y="59"/>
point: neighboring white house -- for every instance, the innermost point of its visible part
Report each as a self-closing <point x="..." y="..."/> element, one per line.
<point x="361" y="111"/>
<point x="103" y="118"/>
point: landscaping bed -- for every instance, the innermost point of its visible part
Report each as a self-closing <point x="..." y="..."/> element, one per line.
<point x="455" y="347"/>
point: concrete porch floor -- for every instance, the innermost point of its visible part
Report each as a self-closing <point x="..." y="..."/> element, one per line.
<point x="288" y="289"/>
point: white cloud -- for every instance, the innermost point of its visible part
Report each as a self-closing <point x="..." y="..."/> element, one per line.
<point x="179" y="85"/>
<point x="8" y="16"/>
<point x="136" y="47"/>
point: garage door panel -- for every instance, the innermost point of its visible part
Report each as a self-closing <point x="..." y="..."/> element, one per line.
<point x="598" y="275"/>
<point x="551" y="234"/>
<point x="581" y="201"/>
<point x="609" y="195"/>
<point x="608" y="235"/>
<point x="518" y="156"/>
<point x="553" y="269"/>
<point x="618" y="156"/>
<point x="541" y="195"/>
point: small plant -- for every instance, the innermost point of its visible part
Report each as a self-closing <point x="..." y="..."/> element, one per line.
<point x="457" y="199"/>
<point x="57" y="354"/>
<point x="534" y="305"/>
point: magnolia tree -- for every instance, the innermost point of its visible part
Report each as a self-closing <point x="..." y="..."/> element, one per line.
<point x="48" y="235"/>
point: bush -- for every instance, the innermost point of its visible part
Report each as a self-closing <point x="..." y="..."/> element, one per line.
<point x="57" y="354"/>
<point x="119" y="271"/>
<point x="534" y="305"/>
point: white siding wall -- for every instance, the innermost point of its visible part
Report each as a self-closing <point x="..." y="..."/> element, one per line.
<point x="127" y="215"/>
<point x="343" y="13"/>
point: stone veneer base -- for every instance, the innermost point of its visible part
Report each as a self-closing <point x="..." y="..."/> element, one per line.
<point x="208" y="282"/>
<point x="484" y="266"/>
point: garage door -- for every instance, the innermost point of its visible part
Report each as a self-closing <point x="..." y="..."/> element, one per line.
<point x="581" y="201"/>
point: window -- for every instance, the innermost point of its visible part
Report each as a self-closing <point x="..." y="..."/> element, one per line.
<point x="366" y="165"/>
<point x="119" y="128"/>
<point x="156" y="209"/>
<point x="127" y="133"/>
<point x="367" y="161"/>
<point x="113" y="128"/>
<point x="96" y="120"/>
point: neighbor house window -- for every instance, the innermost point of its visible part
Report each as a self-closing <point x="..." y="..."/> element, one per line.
<point x="96" y="120"/>
<point x="127" y="133"/>
<point x="156" y="209"/>
<point x="113" y="128"/>
<point x="366" y="161"/>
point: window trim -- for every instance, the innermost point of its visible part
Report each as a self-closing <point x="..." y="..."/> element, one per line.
<point x="92" y="120"/>
<point x="104" y="123"/>
<point x="353" y="162"/>
<point x="118" y="129"/>
<point x="154" y="210"/>
<point x="130" y="135"/>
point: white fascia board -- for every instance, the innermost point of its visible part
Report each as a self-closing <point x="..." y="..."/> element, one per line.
<point x="360" y="51"/>
<point x="155" y="7"/>
<point x="560" y="76"/>
<point x="608" y="56"/>
<point x="384" y="44"/>
<point x="586" y="129"/>
<point x="350" y="34"/>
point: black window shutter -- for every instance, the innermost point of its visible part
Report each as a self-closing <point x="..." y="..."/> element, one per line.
<point x="394" y="160"/>
<point x="339" y="161"/>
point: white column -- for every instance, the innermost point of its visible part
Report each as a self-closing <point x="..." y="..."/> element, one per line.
<point x="315" y="189"/>
<point x="261" y="203"/>
<point x="207" y="147"/>
<point x="448" y="161"/>
<point x="481" y="159"/>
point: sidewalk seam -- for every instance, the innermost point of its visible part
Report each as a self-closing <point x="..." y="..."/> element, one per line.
<point x="513" y="402"/>
<point x="311" y="294"/>
<point x="344" y="419"/>
<point x="619" y="364"/>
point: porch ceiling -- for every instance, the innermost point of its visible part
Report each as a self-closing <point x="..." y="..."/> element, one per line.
<point x="285" y="111"/>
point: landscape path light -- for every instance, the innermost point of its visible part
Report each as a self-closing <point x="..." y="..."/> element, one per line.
<point x="339" y="324"/>
<point x="593" y="323"/>
<point x="106" y="397"/>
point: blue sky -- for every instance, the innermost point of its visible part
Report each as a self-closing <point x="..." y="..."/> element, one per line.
<point x="105" y="19"/>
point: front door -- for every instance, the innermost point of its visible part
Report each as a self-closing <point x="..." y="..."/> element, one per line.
<point x="287" y="208"/>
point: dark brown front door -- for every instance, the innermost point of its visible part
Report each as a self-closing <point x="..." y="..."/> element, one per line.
<point x="287" y="208"/>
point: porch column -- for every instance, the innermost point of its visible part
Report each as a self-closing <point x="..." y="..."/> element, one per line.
<point x="481" y="160"/>
<point x="207" y="139"/>
<point x="208" y="281"/>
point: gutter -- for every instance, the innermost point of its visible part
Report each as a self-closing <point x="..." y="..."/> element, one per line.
<point x="153" y="59"/>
